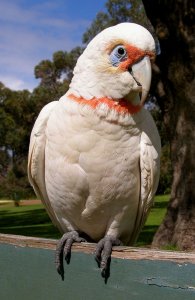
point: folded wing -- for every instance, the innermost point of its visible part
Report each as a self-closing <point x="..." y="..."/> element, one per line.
<point x="36" y="159"/>
<point x="150" y="146"/>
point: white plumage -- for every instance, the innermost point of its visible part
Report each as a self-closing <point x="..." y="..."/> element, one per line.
<point x="95" y="165"/>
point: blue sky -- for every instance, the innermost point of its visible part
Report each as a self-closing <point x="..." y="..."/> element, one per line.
<point x="32" y="30"/>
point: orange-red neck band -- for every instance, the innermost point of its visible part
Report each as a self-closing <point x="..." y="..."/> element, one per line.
<point x="121" y="106"/>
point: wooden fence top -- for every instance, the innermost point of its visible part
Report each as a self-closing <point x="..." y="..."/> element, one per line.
<point x="88" y="248"/>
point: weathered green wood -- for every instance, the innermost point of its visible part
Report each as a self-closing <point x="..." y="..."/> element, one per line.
<point x="29" y="273"/>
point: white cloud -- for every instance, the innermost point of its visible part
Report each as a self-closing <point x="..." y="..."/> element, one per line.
<point x="12" y="12"/>
<point x="15" y="83"/>
<point x="30" y="34"/>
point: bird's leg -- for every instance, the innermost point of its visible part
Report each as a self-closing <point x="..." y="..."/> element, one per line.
<point x="63" y="249"/>
<point x="103" y="253"/>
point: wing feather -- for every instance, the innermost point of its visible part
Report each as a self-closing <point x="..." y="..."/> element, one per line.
<point x="150" y="146"/>
<point x="36" y="159"/>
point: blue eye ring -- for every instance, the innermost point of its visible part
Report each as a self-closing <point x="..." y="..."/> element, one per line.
<point x="118" y="55"/>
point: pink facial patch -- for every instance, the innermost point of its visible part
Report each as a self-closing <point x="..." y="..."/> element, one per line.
<point x="134" y="55"/>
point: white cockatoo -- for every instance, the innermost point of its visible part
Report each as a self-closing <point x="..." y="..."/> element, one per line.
<point x="94" y="154"/>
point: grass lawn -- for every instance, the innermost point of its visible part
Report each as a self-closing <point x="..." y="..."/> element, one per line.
<point x="29" y="220"/>
<point x="155" y="218"/>
<point x="32" y="220"/>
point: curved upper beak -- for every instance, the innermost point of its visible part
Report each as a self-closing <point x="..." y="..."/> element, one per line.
<point x="142" y="73"/>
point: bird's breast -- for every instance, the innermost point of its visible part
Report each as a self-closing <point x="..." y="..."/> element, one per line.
<point x="92" y="167"/>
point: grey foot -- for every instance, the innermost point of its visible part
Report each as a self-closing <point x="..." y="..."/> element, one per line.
<point x="63" y="249"/>
<point x="103" y="254"/>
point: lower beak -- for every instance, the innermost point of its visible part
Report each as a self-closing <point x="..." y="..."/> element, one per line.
<point x="142" y="73"/>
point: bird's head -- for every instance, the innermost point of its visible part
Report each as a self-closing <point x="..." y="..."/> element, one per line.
<point x="116" y="65"/>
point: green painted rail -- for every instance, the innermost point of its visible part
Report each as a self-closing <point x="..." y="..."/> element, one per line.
<point x="27" y="272"/>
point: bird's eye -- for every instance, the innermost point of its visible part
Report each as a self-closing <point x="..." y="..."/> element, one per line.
<point x="121" y="51"/>
<point x="118" y="55"/>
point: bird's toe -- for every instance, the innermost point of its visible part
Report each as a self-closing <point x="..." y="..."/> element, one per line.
<point x="103" y="254"/>
<point x="63" y="250"/>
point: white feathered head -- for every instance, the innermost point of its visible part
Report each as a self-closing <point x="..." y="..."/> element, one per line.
<point x="115" y="64"/>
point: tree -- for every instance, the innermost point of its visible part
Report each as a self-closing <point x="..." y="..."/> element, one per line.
<point x="16" y="112"/>
<point x="174" y="24"/>
<point x="55" y="76"/>
<point x="117" y="11"/>
<point x="58" y="70"/>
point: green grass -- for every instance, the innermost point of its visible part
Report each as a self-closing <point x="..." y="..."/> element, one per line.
<point x="155" y="218"/>
<point x="29" y="220"/>
<point x="33" y="220"/>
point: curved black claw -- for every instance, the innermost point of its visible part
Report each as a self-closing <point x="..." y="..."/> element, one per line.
<point x="103" y="254"/>
<point x="63" y="249"/>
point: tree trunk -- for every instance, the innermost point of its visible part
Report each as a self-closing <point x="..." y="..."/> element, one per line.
<point x="175" y="89"/>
